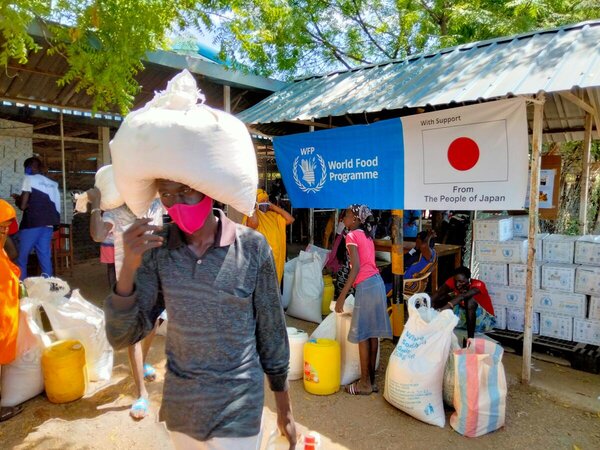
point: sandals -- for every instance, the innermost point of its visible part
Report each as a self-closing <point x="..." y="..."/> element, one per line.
<point x="352" y="389"/>
<point x="149" y="372"/>
<point x="8" y="412"/>
<point x="139" y="409"/>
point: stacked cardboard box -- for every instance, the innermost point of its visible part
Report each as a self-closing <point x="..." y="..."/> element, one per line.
<point x="494" y="249"/>
<point x="566" y="279"/>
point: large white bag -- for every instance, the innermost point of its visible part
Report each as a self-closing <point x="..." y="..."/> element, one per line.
<point x="176" y="138"/>
<point x="479" y="388"/>
<point x="414" y="377"/>
<point x="350" y="355"/>
<point x="289" y="270"/>
<point x="41" y="288"/>
<point x="307" y="291"/>
<point x="322" y="252"/>
<point x="76" y="318"/>
<point x="23" y="378"/>
<point x="110" y="197"/>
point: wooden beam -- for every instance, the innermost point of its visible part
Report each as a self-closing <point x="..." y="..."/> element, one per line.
<point x="311" y="123"/>
<point x="536" y="149"/>
<point x="585" y="174"/>
<point x="583" y="105"/>
<point x="51" y="137"/>
<point x="39" y="126"/>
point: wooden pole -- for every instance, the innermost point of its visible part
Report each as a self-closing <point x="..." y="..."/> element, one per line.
<point x="398" y="273"/>
<point x="585" y="174"/>
<point x="64" y="167"/>
<point x="536" y="147"/>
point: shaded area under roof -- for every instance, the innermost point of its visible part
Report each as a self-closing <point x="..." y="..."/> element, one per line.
<point x="35" y="81"/>
<point x="565" y="59"/>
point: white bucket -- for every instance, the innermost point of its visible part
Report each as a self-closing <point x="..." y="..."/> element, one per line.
<point x="297" y="339"/>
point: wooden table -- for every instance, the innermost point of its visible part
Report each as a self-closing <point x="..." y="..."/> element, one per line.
<point x="383" y="245"/>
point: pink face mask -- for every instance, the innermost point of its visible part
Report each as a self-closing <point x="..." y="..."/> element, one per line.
<point x="190" y="218"/>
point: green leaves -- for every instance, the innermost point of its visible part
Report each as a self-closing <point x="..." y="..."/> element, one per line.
<point x="104" y="41"/>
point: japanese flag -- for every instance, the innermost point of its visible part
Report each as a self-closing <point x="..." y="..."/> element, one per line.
<point x="466" y="153"/>
<point x="473" y="157"/>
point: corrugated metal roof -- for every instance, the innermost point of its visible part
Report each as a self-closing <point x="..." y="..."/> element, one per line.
<point x="549" y="60"/>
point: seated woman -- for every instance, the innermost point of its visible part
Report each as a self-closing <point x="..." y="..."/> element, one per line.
<point x="420" y="258"/>
<point x="470" y="301"/>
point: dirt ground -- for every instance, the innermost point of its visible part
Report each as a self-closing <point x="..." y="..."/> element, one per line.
<point x="561" y="410"/>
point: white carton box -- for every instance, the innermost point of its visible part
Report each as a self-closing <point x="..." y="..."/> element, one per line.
<point x="594" y="310"/>
<point x="559" y="248"/>
<point x="560" y="327"/>
<point x="559" y="277"/>
<point x="500" y="314"/>
<point x="494" y="273"/>
<point x="587" y="250"/>
<point x="511" y="251"/>
<point x="515" y="320"/>
<point x="520" y="226"/>
<point x="586" y="331"/>
<point x="507" y="296"/>
<point x="572" y="305"/>
<point x="539" y="238"/>
<point x="587" y="280"/>
<point x="517" y="275"/>
<point x="498" y="228"/>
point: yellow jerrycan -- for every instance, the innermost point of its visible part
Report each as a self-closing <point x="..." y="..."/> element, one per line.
<point x="63" y="364"/>
<point x="328" y="291"/>
<point x="322" y="366"/>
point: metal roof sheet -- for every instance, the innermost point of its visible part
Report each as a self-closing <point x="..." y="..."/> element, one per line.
<point x="550" y="60"/>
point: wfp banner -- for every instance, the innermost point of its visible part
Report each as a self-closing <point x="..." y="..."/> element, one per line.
<point x="469" y="158"/>
<point x="337" y="167"/>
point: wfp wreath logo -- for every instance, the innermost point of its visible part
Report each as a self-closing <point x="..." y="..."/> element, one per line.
<point x="306" y="170"/>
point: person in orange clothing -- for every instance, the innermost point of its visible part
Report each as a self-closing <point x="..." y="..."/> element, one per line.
<point x="9" y="300"/>
<point x="270" y="220"/>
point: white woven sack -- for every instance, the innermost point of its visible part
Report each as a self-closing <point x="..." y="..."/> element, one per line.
<point x="307" y="292"/>
<point x="105" y="182"/>
<point x="76" y="318"/>
<point x="289" y="271"/>
<point x="415" y="372"/>
<point x="23" y="378"/>
<point x="176" y="138"/>
<point x="42" y="288"/>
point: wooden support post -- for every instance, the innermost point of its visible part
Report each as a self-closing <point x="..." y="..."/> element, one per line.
<point x="536" y="147"/>
<point x="398" y="272"/>
<point x="103" y="147"/>
<point x="311" y="211"/>
<point x="227" y="98"/>
<point x="64" y="167"/>
<point x="585" y="174"/>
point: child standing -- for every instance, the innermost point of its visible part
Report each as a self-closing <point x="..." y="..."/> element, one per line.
<point x="369" y="318"/>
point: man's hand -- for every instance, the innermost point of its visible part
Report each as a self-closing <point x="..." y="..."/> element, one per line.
<point x="137" y="240"/>
<point x="285" y="418"/>
<point x="339" y="304"/>
<point x="94" y="196"/>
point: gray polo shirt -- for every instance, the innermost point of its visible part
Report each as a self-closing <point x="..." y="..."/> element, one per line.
<point x="226" y="328"/>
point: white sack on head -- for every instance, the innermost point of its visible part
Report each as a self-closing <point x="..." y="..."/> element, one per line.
<point x="176" y="138"/>
<point x="105" y="182"/>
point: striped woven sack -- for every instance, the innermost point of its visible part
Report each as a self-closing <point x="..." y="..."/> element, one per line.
<point x="479" y="388"/>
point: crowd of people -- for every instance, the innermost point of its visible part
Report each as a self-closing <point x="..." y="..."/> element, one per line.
<point x="212" y="275"/>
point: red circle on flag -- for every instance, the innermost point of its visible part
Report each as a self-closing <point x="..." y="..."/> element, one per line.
<point x="463" y="153"/>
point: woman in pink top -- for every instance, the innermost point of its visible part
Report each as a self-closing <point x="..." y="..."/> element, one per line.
<point x="369" y="318"/>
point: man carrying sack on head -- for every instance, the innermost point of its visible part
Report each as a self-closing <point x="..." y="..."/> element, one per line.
<point x="270" y="220"/>
<point x="217" y="279"/>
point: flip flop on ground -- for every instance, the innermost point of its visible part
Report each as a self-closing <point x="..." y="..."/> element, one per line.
<point x="353" y="389"/>
<point x="8" y="412"/>
<point x="149" y="372"/>
<point x="140" y="408"/>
